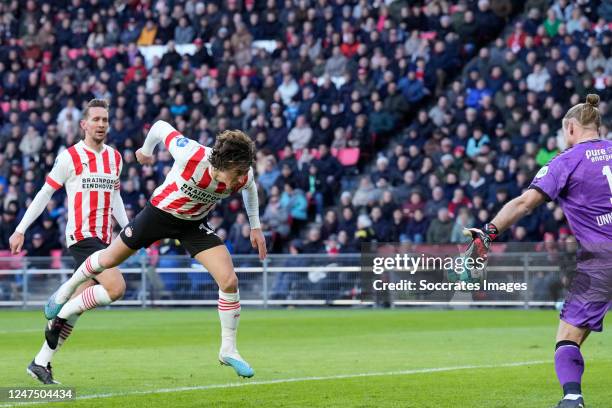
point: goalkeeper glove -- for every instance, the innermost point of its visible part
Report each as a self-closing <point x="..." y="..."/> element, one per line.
<point x="481" y="240"/>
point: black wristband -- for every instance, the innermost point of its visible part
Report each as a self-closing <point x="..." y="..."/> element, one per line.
<point x="491" y="230"/>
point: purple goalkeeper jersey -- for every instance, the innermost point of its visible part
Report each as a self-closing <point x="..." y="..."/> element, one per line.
<point x="580" y="179"/>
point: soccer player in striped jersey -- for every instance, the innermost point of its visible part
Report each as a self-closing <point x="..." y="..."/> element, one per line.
<point x="580" y="178"/>
<point x="90" y="172"/>
<point x="199" y="178"/>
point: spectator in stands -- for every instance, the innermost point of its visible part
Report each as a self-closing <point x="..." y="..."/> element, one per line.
<point x="285" y="280"/>
<point x="417" y="227"/>
<point x="293" y="200"/>
<point x="7" y="227"/>
<point x="358" y="87"/>
<point x="546" y="153"/>
<point x="242" y="245"/>
<point x="440" y="229"/>
<point x="301" y="134"/>
<point x="476" y="142"/>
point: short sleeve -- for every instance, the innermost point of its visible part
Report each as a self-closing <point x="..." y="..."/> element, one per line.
<point x="60" y="172"/>
<point x="553" y="178"/>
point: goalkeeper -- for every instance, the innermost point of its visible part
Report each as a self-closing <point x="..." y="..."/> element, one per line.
<point x="580" y="179"/>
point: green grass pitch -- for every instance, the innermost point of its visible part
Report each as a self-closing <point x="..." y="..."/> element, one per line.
<point x="308" y="358"/>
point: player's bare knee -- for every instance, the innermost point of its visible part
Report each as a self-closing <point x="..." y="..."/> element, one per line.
<point x="229" y="284"/>
<point x="105" y="260"/>
<point x="571" y="333"/>
<point x="116" y="290"/>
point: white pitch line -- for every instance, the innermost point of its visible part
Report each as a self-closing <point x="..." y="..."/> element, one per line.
<point x="297" y="379"/>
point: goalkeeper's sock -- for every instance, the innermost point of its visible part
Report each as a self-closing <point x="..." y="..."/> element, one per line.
<point x="85" y="271"/>
<point x="569" y="366"/>
<point x="46" y="353"/>
<point x="229" y="314"/>
<point x="91" y="297"/>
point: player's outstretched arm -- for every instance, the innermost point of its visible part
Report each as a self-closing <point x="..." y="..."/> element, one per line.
<point x="251" y="203"/>
<point x="517" y="209"/>
<point x="119" y="212"/>
<point x="118" y="208"/>
<point x="507" y="216"/>
<point x="181" y="148"/>
<point x="55" y="180"/>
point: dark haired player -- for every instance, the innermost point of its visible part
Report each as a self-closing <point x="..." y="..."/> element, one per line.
<point x="580" y="178"/>
<point x="90" y="171"/>
<point x="200" y="176"/>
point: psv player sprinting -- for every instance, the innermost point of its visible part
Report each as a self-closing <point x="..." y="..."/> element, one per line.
<point x="90" y="172"/>
<point x="580" y="179"/>
<point x="200" y="176"/>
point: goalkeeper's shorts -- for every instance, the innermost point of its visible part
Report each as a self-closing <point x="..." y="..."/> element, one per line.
<point x="588" y="300"/>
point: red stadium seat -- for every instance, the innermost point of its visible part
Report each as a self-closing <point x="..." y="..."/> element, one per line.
<point x="74" y="53"/>
<point x="429" y="35"/>
<point x="109" y="52"/>
<point x="9" y="261"/>
<point x="56" y="259"/>
<point x="298" y="153"/>
<point x="6" y="106"/>
<point x="348" y="156"/>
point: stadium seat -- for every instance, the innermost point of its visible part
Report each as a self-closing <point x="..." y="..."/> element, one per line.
<point x="56" y="259"/>
<point x="348" y="156"/>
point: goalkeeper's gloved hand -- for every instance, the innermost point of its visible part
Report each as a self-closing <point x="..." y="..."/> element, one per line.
<point x="481" y="240"/>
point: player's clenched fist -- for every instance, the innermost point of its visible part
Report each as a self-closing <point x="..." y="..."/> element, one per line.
<point x="16" y="242"/>
<point x="143" y="158"/>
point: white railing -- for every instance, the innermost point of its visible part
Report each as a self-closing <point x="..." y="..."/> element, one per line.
<point x="280" y="280"/>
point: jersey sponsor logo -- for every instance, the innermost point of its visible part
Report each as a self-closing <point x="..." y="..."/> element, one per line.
<point x="597" y="155"/>
<point x="604" y="219"/>
<point x="199" y="195"/>
<point x="98" y="183"/>
<point x="182" y="142"/>
<point x="542" y="172"/>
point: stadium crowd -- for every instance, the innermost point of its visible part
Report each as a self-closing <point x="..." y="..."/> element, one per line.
<point x="322" y="87"/>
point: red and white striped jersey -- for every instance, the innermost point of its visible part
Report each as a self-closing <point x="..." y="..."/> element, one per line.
<point x="188" y="192"/>
<point x="92" y="184"/>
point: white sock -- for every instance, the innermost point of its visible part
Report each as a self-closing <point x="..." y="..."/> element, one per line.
<point x="46" y="353"/>
<point x="86" y="270"/>
<point x="91" y="297"/>
<point x="229" y="314"/>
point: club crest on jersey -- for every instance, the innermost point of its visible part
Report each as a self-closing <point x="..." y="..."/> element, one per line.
<point x="543" y="171"/>
<point x="182" y="142"/>
<point x="128" y="232"/>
